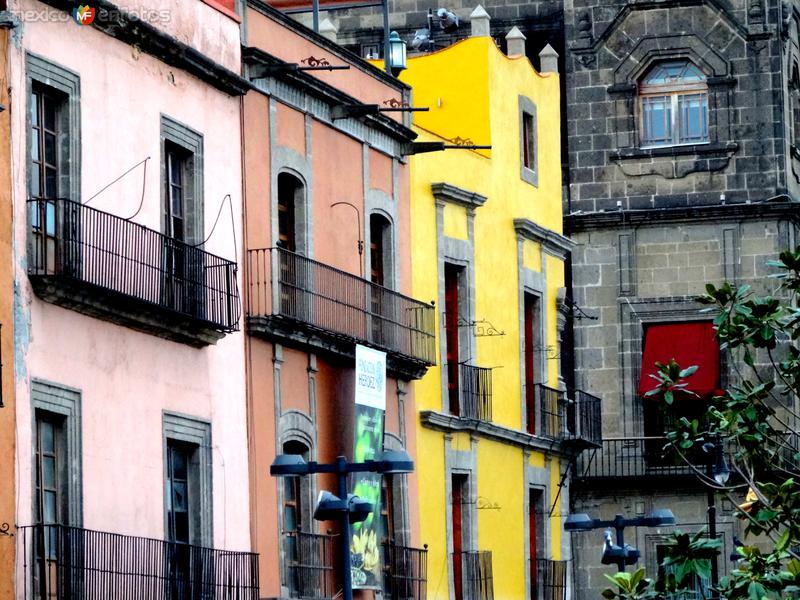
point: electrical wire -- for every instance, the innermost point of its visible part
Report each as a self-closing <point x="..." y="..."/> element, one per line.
<point x="233" y="227"/>
<point x="117" y="179"/>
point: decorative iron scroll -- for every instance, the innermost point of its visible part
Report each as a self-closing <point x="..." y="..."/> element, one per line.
<point x="459" y="141"/>
<point x="312" y="61"/>
<point x="395" y="103"/>
<point x="5" y="529"/>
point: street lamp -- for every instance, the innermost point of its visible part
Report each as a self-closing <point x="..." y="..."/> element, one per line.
<point x="716" y="469"/>
<point x="619" y="553"/>
<point x="397" y="54"/>
<point x="345" y="507"/>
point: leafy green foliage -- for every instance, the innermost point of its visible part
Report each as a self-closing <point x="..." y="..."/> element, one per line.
<point x="753" y="422"/>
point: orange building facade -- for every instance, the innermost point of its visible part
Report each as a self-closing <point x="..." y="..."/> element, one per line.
<point x="327" y="242"/>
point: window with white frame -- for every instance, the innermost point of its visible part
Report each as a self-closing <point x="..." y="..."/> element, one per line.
<point x="673" y="104"/>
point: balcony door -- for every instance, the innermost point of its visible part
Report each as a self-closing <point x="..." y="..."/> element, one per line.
<point x="459" y="522"/>
<point x="452" y="308"/>
<point x="292" y="272"/>
<point x="535" y="540"/>
<point x="531" y="324"/>
<point x="382" y="315"/>
<point x="184" y="272"/>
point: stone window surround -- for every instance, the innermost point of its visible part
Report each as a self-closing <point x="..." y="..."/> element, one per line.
<point x="197" y="432"/>
<point x="637" y="63"/>
<point x="65" y="403"/>
<point x="551" y="244"/>
<point x="461" y="462"/>
<point x="635" y="313"/>
<point x="527" y="107"/>
<point x="42" y="72"/>
<point x="456" y="252"/>
<point x="288" y="160"/>
<point x="400" y="510"/>
<point x="191" y="141"/>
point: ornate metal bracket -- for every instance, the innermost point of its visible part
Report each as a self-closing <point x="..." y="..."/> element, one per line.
<point x="5" y="529"/>
<point x="484" y="328"/>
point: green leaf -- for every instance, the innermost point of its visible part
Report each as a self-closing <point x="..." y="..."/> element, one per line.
<point x="783" y="540"/>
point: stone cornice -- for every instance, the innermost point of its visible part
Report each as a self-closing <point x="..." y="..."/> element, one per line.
<point x="117" y="23"/>
<point x="309" y="84"/>
<point x="452" y="424"/>
<point x="445" y="192"/>
<point x="323" y="42"/>
<point x="718" y="212"/>
<point x="551" y="242"/>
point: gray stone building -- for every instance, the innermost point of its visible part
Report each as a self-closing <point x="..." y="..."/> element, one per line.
<point x="682" y="167"/>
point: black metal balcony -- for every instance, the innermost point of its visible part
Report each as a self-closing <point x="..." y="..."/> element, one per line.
<point x="475" y="570"/>
<point x="297" y="300"/>
<point x="63" y="563"/>
<point x="641" y="458"/>
<point x="550" y="582"/>
<point x="475" y="392"/>
<point x="108" y="267"/>
<point x="310" y="565"/>
<point x="571" y="417"/>
<point x="405" y="572"/>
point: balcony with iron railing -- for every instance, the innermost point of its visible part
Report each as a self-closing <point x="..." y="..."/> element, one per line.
<point x="572" y="417"/>
<point x="472" y="397"/>
<point x="472" y="571"/>
<point x="405" y="572"/>
<point x="300" y="301"/>
<point x="641" y="458"/>
<point x="310" y="565"/>
<point x="57" y="562"/>
<point x="114" y="269"/>
<point x="550" y="580"/>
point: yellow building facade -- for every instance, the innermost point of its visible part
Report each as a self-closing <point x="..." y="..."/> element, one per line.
<point x="495" y="434"/>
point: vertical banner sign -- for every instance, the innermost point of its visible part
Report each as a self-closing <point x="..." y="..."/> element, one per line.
<point x="370" y="392"/>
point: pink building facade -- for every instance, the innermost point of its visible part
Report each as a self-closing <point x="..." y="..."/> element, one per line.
<point x="130" y="371"/>
<point x="327" y="234"/>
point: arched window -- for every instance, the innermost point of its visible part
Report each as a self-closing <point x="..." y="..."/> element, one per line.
<point x="673" y="101"/>
<point x="380" y="249"/>
<point x="290" y="198"/>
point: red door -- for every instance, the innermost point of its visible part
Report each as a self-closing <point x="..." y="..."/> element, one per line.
<point x="457" y="497"/>
<point x="529" y="348"/>
<point x="533" y="506"/>
<point x="451" y="334"/>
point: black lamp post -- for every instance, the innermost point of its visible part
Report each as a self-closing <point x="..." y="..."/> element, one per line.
<point x="717" y="469"/>
<point x="621" y="554"/>
<point x="346" y="507"/>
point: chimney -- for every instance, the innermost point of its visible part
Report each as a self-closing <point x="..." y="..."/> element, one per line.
<point x="479" y="21"/>
<point x="515" y="40"/>
<point x="328" y="29"/>
<point x="548" y="60"/>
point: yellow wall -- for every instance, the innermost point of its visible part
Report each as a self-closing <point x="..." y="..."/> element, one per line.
<point x="473" y="92"/>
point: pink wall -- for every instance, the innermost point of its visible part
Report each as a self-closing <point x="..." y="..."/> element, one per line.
<point x="127" y="379"/>
<point x="271" y="36"/>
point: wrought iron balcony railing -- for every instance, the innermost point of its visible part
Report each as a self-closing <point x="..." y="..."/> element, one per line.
<point x="289" y="294"/>
<point x="310" y="565"/>
<point x="550" y="582"/>
<point x="109" y="267"/>
<point x="405" y="572"/>
<point x="641" y="457"/>
<point x="473" y="575"/>
<point x="573" y="416"/>
<point x="475" y="399"/>
<point x="63" y="563"/>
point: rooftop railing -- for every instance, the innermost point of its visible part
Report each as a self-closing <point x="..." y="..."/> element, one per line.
<point x="63" y="563"/>
<point x="287" y="286"/>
